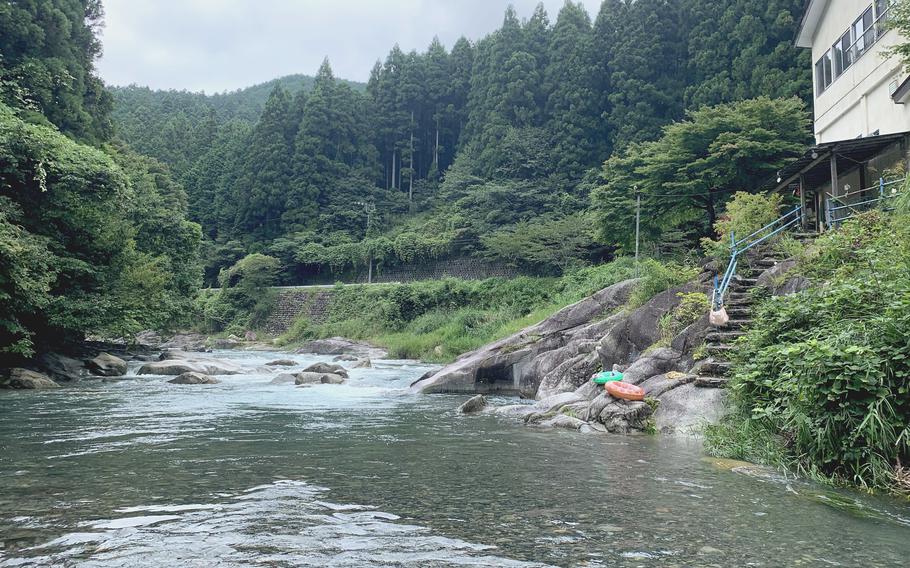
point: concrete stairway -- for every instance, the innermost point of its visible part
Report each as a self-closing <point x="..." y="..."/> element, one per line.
<point x="714" y="371"/>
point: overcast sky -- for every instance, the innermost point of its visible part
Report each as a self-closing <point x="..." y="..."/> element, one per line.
<point x="217" y="45"/>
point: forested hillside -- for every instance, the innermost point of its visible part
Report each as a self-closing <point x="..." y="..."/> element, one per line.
<point x="490" y="148"/>
<point x="94" y="238"/>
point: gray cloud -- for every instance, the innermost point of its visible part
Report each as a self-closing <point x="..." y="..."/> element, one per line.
<point x="217" y="45"/>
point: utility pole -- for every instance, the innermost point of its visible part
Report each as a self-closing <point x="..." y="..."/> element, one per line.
<point x="637" y="225"/>
<point x="369" y="208"/>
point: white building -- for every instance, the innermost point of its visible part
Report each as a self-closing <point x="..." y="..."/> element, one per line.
<point x="861" y="109"/>
<point x="853" y="76"/>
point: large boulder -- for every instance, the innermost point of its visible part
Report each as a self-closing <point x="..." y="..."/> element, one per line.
<point x="28" y="379"/>
<point x="652" y="363"/>
<point x="284" y="379"/>
<point x="180" y="366"/>
<point x="194" y="379"/>
<point x="327" y="368"/>
<point x="364" y="363"/>
<point x="312" y="378"/>
<point x="107" y="365"/>
<point x="61" y="368"/>
<point x="687" y="409"/>
<point x="780" y="281"/>
<point x="186" y="342"/>
<point x="281" y="363"/>
<point x="509" y="365"/>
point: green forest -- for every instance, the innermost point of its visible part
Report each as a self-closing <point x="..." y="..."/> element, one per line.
<point x="524" y="148"/>
<point x="493" y="148"/>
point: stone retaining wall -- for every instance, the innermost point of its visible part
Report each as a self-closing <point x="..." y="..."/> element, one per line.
<point x="292" y="303"/>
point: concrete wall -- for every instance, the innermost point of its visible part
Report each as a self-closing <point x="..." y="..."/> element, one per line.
<point x="858" y="102"/>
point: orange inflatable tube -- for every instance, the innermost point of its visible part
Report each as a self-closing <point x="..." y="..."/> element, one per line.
<point x="619" y="389"/>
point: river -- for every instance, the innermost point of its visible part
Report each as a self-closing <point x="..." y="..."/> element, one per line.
<point x="139" y="472"/>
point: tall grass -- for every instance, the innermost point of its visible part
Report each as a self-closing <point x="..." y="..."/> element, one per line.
<point x="438" y="321"/>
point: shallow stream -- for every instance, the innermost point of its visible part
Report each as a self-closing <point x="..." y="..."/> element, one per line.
<point x="139" y="472"/>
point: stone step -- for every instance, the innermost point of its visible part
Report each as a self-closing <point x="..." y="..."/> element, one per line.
<point x="721" y="349"/>
<point x="714" y="368"/>
<point x="745" y="282"/>
<point x="721" y="336"/>
<point x="739" y="309"/>
<point x="711" y="382"/>
<point x="736" y="324"/>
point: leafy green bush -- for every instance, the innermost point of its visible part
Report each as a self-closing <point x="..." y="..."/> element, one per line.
<point x="745" y="214"/>
<point x="246" y="297"/>
<point x="826" y="373"/>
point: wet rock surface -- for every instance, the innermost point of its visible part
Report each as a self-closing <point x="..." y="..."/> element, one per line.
<point x="194" y="379"/>
<point x="107" y="365"/>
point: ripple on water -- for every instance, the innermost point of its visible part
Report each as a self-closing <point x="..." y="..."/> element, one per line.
<point x="285" y="523"/>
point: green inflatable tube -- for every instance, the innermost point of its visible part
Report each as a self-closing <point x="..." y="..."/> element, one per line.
<point x="606" y="377"/>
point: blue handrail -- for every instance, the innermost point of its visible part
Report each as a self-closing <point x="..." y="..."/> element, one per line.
<point x="739" y="247"/>
<point x="832" y="216"/>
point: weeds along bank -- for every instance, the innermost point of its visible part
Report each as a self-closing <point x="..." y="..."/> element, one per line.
<point x="822" y="378"/>
<point x="434" y="320"/>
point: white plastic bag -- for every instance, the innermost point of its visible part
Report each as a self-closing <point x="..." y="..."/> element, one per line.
<point x="719" y="318"/>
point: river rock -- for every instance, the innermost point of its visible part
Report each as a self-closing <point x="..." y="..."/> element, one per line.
<point x="194" y="379"/>
<point x="474" y="404"/>
<point x="232" y="342"/>
<point x="563" y="421"/>
<point x="180" y="366"/>
<point x="107" y="365"/>
<point x="281" y="363"/>
<point x="327" y="368"/>
<point x="61" y="368"/>
<point x="313" y="378"/>
<point x="652" y="363"/>
<point x="284" y="379"/>
<point x="28" y="379"/>
<point x="508" y="365"/>
<point x="364" y="363"/>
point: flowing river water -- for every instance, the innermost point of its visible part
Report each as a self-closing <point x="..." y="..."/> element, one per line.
<point x="139" y="472"/>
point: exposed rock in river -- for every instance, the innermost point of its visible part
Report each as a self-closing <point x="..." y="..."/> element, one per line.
<point x="553" y="362"/>
<point x="327" y="368"/>
<point x="281" y="363"/>
<point x="179" y="366"/>
<point x="28" y="379"/>
<point x="474" y="404"/>
<point x="107" y="365"/>
<point x="194" y="379"/>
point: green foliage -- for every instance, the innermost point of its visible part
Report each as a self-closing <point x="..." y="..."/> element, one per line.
<point x="440" y="320"/>
<point x="490" y="149"/>
<point x="657" y="277"/>
<point x="745" y="214"/>
<point x="899" y="19"/>
<point x="245" y="299"/>
<point x="47" y="53"/>
<point x="824" y="373"/>
<point x="103" y="250"/>
<point x="696" y="164"/>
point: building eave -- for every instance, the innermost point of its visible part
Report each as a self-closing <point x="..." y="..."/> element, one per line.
<point x="809" y="24"/>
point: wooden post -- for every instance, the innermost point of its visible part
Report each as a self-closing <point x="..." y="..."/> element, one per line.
<point x="834" y="186"/>
<point x="802" y="201"/>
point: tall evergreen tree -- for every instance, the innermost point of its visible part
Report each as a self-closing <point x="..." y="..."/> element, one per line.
<point x="261" y="190"/>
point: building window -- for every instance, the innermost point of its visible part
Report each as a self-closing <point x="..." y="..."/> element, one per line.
<point x="842" y="54"/>
<point x="863" y="34"/>
<point x="881" y="16"/>
<point x="823" y="76"/>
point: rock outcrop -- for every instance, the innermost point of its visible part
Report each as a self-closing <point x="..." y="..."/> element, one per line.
<point x="194" y="379"/>
<point x="554" y="360"/>
<point x="28" y="379"/>
<point x="107" y="365"/>
<point x="512" y="365"/>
